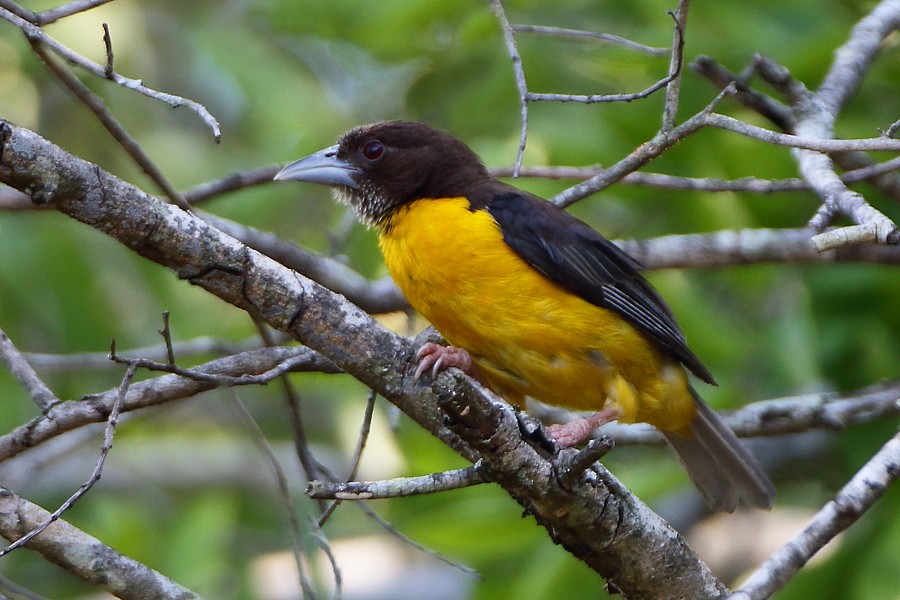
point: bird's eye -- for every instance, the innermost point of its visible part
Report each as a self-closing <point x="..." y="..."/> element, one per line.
<point x="373" y="150"/>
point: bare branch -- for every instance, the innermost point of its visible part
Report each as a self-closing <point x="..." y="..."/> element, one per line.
<point x="109" y="69"/>
<point x="376" y="297"/>
<point x="111" y="422"/>
<point x="893" y="129"/>
<point x="84" y="555"/>
<point x="34" y="33"/>
<point x="287" y="504"/>
<point x="68" y="415"/>
<point x="25" y="374"/>
<point x="509" y="38"/>
<point x="11" y="199"/>
<point x="641" y="156"/>
<point x="579" y="33"/>
<point x="860" y="166"/>
<point x="106" y="118"/>
<point x="806" y="142"/>
<point x="775" y="111"/>
<point x="746" y="246"/>
<point x="597" y="519"/>
<point x="66" y="10"/>
<point x="673" y="88"/>
<point x="853" y="59"/>
<point x="100" y="360"/>
<point x="398" y="487"/>
<point x="363" y="437"/>
<point x="815" y="118"/>
<point x="230" y="183"/>
<point x="850" y="503"/>
<point x="755" y="185"/>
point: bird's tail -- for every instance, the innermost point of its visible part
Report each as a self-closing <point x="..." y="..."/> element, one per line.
<point x="718" y="463"/>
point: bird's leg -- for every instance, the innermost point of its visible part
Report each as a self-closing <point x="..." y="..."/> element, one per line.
<point x="437" y="358"/>
<point x="574" y="432"/>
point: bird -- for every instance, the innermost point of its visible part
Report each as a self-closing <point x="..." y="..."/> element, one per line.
<point x="532" y="301"/>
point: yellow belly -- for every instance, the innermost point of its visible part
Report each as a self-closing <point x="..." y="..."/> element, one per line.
<point x="528" y="335"/>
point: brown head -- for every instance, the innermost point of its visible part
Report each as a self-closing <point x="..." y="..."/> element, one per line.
<point x="380" y="167"/>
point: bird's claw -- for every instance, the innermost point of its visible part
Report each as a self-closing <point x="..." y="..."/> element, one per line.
<point x="435" y="358"/>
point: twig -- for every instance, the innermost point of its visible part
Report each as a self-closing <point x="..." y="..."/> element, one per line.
<point x="573" y="463"/>
<point x="100" y="360"/>
<point x="816" y="117"/>
<point x="893" y="129"/>
<point x="881" y="176"/>
<point x="66" y="10"/>
<point x="357" y="455"/>
<point x="308" y="461"/>
<point x="676" y="60"/>
<point x="509" y="38"/>
<point x="25" y="374"/>
<point x="286" y="366"/>
<point x="806" y="142"/>
<point x="399" y="487"/>
<point x="19" y="11"/>
<point x="850" y="503"/>
<point x="230" y="183"/>
<point x="579" y="33"/>
<point x="389" y="527"/>
<point x="13" y="591"/>
<point x="167" y="338"/>
<point x="68" y="415"/>
<point x="755" y="185"/>
<point x="109" y="69"/>
<point x="106" y="118"/>
<point x="108" y="434"/>
<point x="774" y="111"/>
<point x="287" y="504"/>
<point x="641" y="156"/>
<point x="32" y="32"/>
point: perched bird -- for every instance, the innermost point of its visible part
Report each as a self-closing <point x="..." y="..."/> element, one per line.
<point x="534" y="301"/>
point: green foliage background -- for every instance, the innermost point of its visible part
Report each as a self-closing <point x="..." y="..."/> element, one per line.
<point x="186" y="490"/>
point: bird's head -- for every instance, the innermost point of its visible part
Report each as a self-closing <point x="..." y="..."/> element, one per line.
<point x="378" y="168"/>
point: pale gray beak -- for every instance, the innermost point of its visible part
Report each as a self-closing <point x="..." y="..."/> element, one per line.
<point x="322" y="167"/>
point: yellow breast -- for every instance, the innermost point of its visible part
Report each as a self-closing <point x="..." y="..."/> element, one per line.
<point x="527" y="334"/>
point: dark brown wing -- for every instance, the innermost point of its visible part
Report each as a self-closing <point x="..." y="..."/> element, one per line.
<point x="574" y="255"/>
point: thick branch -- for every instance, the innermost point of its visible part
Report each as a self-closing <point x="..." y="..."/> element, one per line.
<point x="596" y="518"/>
<point x="84" y="555"/>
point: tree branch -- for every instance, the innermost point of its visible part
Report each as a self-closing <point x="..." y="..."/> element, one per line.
<point x="398" y="487"/>
<point x="68" y="415"/>
<point x="509" y="38"/>
<point x="850" y="503"/>
<point x="596" y="519"/>
<point x="25" y="374"/>
<point x="86" y="556"/>
<point x="33" y="32"/>
<point x="595" y="35"/>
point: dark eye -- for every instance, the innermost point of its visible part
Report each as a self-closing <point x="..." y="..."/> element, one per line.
<point x="373" y="150"/>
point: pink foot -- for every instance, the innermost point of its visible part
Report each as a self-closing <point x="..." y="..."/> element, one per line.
<point x="574" y="432"/>
<point x="436" y="358"/>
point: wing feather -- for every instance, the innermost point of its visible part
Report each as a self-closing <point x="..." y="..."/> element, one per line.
<point x="571" y="253"/>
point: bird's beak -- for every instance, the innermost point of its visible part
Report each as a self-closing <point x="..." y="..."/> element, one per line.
<point x="322" y="167"/>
